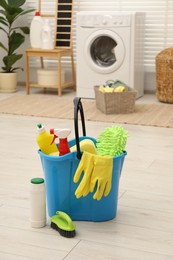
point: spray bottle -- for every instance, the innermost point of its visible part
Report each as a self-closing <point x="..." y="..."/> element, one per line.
<point x="45" y="141"/>
<point x="62" y="134"/>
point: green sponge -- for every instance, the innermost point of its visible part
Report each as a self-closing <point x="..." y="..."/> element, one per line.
<point x="112" y="141"/>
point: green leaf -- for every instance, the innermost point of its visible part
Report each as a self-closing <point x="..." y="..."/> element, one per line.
<point x="25" y="29"/>
<point x="10" y="60"/>
<point x="15" y="41"/>
<point x="12" y="13"/>
<point x="16" y="3"/>
<point x="2" y="29"/>
<point x="3" y="21"/>
<point x="12" y="10"/>
<point x="28" y="11"/>
<point x="3" y="4"/>
<point x="24" y="12"/>
<point x="17" y="68"/>
<point x="3" y="12"/>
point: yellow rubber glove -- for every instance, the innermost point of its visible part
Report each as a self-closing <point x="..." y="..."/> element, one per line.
<point x="102" y="176"/>
<point x="97" y="171"/>
<point x="86" y="165"/>
<point x="85" y="145"/>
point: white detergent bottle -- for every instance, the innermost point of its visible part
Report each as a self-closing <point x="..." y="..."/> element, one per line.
<point x="35" y="30"/>
<point x="46" y="36"/>
<point x="38" y="203"/>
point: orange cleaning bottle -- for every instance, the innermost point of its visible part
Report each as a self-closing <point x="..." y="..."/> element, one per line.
<point x="45" y="141"/>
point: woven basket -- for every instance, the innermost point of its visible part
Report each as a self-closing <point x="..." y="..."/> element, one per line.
<point x="164" y="75"/>
<point x="115" y="102"/>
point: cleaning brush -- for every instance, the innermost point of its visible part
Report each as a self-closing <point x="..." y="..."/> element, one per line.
<point x="112" y="141"/>
<point x="63" y="224"/>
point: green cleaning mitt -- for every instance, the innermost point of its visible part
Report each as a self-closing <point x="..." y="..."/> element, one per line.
<point x="112" y="141"/>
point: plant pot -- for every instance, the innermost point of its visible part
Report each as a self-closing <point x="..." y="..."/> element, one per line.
<point x="8" y="82"/>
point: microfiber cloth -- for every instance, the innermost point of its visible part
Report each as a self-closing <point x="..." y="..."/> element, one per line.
<point x="112" y="141"/>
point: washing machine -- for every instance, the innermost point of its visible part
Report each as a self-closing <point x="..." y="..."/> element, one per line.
<point x="109" y="47"/>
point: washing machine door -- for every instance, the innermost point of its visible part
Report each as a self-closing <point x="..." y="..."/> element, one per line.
<point x="104" y="51"/>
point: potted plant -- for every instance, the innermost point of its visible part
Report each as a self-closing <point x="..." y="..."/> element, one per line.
<point x="13" y="36"/>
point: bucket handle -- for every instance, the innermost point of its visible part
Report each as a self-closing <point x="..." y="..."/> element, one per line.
<point x="78" y="108"/>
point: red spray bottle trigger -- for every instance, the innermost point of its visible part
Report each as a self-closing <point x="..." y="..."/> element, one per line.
<point x="62" y="134"/>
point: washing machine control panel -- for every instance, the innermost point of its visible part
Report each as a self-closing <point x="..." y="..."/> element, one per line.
<point x="106" y="20"/>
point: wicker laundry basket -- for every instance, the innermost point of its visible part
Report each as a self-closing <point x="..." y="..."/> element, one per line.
<point x="116" y="102"/>
<point x="164" y="76"/>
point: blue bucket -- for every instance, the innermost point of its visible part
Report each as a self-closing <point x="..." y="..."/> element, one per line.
<point x="60" y="188"/>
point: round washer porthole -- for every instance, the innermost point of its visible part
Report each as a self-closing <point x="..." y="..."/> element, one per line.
<point x="104" y="51"/>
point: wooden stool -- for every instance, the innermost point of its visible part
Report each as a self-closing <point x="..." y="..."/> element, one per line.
<point x="57" y="54"/>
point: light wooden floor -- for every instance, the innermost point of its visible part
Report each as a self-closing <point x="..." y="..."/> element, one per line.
<point x="143" y="229"/>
